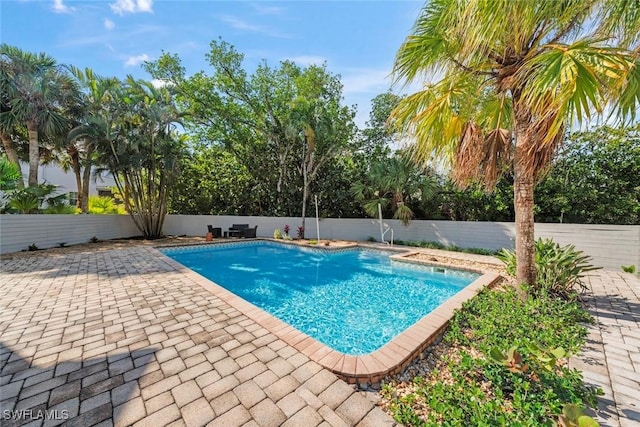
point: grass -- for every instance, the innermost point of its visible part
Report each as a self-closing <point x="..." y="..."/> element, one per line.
<point x="437" y="245"/>
<point x="468" y="387"/>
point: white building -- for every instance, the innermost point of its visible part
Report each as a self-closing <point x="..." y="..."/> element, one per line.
<point x="66" y="181"/>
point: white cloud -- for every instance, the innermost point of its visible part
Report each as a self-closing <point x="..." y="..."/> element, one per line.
<point x="109" y="24"/>
<point x="121" y="7"/>
<point x="263" y="9"/>
<point x="242" y="25"/>
<point x="306" y="60"/>
<point x="132" y="61"/>
<point x="60" y="7"/>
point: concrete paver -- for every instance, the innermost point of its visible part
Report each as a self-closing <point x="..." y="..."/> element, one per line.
<point x="120" y="337"/>
<point x="610" y="358"/>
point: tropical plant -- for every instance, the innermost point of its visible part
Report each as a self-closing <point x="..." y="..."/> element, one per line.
<point x="36" y="91"/>
<point x="559" y="269"/>
<point x="35" y="199"/>
<point x="510" y="77"/>
<point x="277" y="234"/>
<point x="141" y="150"/>
<point x="84" y="139"/>
<point x="104" y="205"/>
<point x="395" y="184"/>
<point x="9" y="174"/>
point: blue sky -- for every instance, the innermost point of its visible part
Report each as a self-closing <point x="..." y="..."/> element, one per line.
<point x="357" y="39"/>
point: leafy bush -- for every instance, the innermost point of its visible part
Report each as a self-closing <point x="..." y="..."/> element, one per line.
<point x="300" y="232"/>
<point x="504" y="366"/>
<point x="559" y="269"/>
<point x="104" y="205"/>
<point x="277" y="234"/>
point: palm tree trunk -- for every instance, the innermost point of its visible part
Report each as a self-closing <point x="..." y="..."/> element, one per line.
<point x="34" y="153"/>
<point x="523" y="185"/>
<point x="84" y="202"/>
<point x="12" y="155"/>
<point x="72" y="152"/>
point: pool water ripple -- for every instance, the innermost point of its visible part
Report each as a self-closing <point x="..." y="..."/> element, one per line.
<point x="354" y="301"/>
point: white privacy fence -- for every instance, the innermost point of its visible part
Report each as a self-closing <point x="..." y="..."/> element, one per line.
<point x="610" y="245"/>
<point x="17" y="232"/>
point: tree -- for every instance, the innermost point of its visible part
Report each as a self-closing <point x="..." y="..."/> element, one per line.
<point x="512" y="76"/>
<point x="595" y="179"/>
<point x="34" y="89"/>
<point x="284" y="124"/>
<point x="397" y="185"/>
<point x="141" y="150"/>
<point x="83" y="140"/>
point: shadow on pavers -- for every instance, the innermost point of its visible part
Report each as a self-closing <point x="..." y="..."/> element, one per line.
<point x="54" y="393"/>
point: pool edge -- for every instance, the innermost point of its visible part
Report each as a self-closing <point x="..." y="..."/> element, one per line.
<point x="390" y="359"/>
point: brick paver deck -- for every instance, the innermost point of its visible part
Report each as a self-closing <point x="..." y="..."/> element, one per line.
<point x="120" y="337"/>
<point x="611" y="359"/>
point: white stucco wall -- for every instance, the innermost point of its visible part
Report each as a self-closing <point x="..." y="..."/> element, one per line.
<point x="610" y="245"/>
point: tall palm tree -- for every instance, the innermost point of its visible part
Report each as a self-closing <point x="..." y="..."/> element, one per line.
<point x="510" y="77"/>
<point x="35" y="90"/>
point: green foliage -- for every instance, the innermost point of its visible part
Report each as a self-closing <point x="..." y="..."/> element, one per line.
<point x="281" y="126"/>
<point x="104" y="205"/>
<point x="397" y="185"/>
<point x="277" y="234"/>
<point x="437" y="245"/>
<point x="572" y="416"/>
<point x="313" y="242"/>
<point x="559" y="268"/>
<point x="9" y="174"/>
<point x="629" y="269"/>
<point x="32" y="247"/>
<point x="94" y="239"/>
<point x="595" y="179"/>
<point x="521" y="386"/>
<point x="33" y="199"/>
<point x="501" y="319"/>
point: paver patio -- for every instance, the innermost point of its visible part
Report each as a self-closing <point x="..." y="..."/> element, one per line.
<point x="120" y="337"/>
<point x="611" y="358"/>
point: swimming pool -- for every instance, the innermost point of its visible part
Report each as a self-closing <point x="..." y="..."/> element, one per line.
<point x="353" y="300"/>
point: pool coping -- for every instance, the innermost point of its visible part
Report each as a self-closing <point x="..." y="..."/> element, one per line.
<point x="370" y="368"/>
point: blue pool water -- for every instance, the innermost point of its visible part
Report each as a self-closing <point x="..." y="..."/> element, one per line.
<point x="354" y="301"/>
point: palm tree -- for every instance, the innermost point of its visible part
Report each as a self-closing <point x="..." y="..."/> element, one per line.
<point x="139" y="147"/>
<point x="34" y="89"/>
<point x="511" y="76"/>
<point x="83" y="139"/>
<point x="397" y="184"/>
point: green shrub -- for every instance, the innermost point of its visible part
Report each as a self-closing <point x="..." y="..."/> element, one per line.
<point x="277" y="234"/>
<point x="559" y="269"/>
<point x="502" y="319"/>
<point x="513" y="379"/>
<point x="104" y="205"/>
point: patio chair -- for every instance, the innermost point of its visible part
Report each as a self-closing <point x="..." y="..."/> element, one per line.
<point x="216" y="232"/>
<point x="250" y="232"/>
